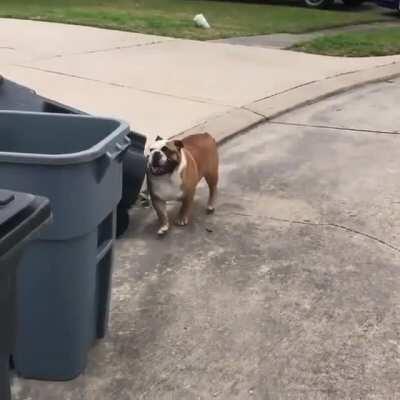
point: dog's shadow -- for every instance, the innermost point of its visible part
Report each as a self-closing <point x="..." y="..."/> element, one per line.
<point x="143" y="221"/>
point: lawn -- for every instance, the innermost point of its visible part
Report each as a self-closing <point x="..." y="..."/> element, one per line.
<point x="379" y="42"/>
<point x="174" y="17"/>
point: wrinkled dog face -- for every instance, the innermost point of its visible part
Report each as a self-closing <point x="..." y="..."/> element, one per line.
<point x="164" y="156"/>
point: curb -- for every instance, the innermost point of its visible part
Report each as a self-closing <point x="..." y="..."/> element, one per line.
<point x="239" y="120"/>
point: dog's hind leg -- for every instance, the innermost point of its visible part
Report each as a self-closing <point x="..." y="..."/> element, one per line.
<point x="212" y="181"/>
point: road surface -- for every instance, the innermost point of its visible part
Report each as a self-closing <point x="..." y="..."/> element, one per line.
<point x="289" y="292"/>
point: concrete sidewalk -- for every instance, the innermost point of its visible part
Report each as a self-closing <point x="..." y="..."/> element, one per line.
<point x="287" y="40"/>
<point x="165" y="86"/>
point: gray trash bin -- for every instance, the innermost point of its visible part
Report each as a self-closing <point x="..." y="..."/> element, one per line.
<point x="21" y="215"/>
<point x="64" y="277"/>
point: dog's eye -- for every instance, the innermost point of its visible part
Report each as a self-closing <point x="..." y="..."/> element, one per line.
<point x="151" y="149"/>
<point x="164" y="149"/>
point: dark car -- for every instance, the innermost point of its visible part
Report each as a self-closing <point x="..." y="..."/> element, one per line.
<point x="392" y="4"/>
<point x="327" y="3"/>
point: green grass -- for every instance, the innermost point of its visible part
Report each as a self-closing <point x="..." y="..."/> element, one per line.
<point x="377" y="42"/>
<point x="174" y="17"/>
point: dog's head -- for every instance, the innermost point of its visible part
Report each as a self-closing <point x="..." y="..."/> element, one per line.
<point x="164" y="156"/>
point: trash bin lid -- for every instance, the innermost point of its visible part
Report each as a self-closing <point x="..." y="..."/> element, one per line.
<point x="20" y="215"/>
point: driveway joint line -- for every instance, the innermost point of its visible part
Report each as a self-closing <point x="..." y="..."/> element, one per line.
<point x="154" y="42"/>
<point x="226" y="139"/>
<point x="285" y="91"/>
<point x="105" y="50"/>
<point x="115" y="84"/>
<point x="254" y="112"/>
<point x="321" y="80"/>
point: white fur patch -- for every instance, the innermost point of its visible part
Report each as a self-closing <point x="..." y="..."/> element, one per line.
<point x="169" y="187"/>
<point x="156" y="147"/>
<point x="164" y="229"/>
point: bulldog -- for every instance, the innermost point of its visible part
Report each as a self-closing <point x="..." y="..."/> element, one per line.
<point x="174" y="169"/>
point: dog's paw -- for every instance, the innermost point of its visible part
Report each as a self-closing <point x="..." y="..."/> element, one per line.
<point x="210" y="210"/>
<point x="163" y="230"/>
<point x="182" y="221"/>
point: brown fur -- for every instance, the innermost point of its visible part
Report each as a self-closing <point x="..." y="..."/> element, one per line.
<point x="202" y="162"/>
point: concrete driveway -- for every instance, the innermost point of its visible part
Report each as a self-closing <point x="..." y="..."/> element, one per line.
<point x="159" y="85"/>
<point x="290" y="291"/>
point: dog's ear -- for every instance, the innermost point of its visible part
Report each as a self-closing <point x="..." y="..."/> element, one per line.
<point x="178" y="144"/>
<point x="158" y="138"/>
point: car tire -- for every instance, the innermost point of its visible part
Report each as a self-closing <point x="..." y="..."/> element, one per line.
<point x="353" y="3"/>
<point x="318" y="3"/>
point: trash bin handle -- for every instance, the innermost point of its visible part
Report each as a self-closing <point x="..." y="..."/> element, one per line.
<point x="121" y="149"/>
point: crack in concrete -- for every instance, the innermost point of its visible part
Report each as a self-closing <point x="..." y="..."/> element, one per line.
<point x="123" y="47"/>
<point x="283" y="92"/>
<point x="338" y="128"/>
<point x="105" y="50"/>
<point x="329" y="225"/>
<point x="321" y="80"/>
<point x="202" y="124"/>
<point x="362" y="70"/>
<point x="115" y="84"/>
<point x="255" y="113"/>
<point x="339" y="226"/>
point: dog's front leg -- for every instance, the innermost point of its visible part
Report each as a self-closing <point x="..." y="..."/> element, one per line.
<point x="161" y="209"/>
<point x="186" y="209"/>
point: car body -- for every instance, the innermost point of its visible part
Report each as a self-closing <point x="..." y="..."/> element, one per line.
<point x="328" y="3"/>
<point x="392" y="4"/>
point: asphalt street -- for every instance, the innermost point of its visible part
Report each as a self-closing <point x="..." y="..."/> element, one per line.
<point x="290" y="291"/>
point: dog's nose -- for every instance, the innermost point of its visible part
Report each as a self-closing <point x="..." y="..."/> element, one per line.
<point x="156" y="158"/>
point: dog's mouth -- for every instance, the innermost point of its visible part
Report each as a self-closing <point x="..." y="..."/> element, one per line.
<point x="167" y="168"/>
<point x="159" y="170"/>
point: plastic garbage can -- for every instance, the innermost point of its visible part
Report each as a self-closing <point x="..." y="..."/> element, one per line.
<point x="19" y="98"/>
<point x="65" y="275"/>
<point x="134" y="170"/>
<point x="21" y="215"/>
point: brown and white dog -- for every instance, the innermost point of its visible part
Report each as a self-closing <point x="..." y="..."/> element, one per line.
<point x="174" y="168"/>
